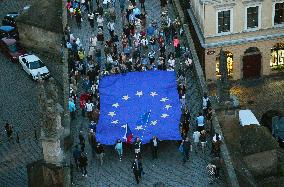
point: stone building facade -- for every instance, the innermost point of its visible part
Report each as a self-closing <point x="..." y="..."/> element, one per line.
<point x="250" y="31"/>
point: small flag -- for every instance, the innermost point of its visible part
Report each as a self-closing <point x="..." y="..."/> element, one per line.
<point x="128" y="134"/>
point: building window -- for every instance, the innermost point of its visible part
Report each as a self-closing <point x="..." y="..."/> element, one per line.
<point x="230" y="63"/>
<point x="252" y="17"/>
<point x="277" y="56"/>
<point x="279" y="13"/>
<point x="224" y="21"/>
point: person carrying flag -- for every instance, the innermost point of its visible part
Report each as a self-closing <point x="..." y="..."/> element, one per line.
<point x="128" y="135"/>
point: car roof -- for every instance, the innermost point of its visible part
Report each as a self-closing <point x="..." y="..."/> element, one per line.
<point x="12" y="14"/>
<point x="246" y="117"/>
<point x="7" y="28"/>
<point x="30" y="58"/>
<point x="9" y="41"/>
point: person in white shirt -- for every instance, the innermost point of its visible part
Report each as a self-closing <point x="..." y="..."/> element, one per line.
<point x="89" y="109"/>
<point x="215" y="137"/>
<point x="205" y="104"/>
<point x="171" y="62"/>
<point x="110" y="27"/>
<point x="93" y="41"/>
<point x="196" y="136"/>
<point x="100" y="21"/>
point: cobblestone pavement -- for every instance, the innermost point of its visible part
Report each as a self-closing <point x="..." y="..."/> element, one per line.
<point x="261" y="95"/>
<point x="18" y="107"/>
<point x="168" y="169"/>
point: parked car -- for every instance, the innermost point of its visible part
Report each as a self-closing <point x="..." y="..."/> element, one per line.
<point x="10" y="19"/>
<point x="278" y="129"/>
<point x="9" y="32"/>
<point x="11" y="48"/>
<point x="34" y="66"/>
<point x="246" y="117"/>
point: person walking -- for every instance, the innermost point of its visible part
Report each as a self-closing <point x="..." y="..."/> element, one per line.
<point x="137" y="169"/>
<point x="196" y="136"/>
<point x="200" y="122"/>
<point x="100" y="152"/>
<point x="72" y="108"/>
<point x="122" y="5"/>
<point x="9" y="131"/>
<point x="83" y="162"/>
<point x="92" y="140"/>
<point x="91" y="16"/>
<point x="119" y="149"/>
<point x="209" y="120"/>
<point x="78" y="17"/>
<point x="89" y="109"/>
<point x="142" y="3"/>
<point x="76" y="156"/>
<point x="82" y="141"/>
<point x="203" y="140"/>
<point x="137" y="147"/>
<point x="205" y="104"/>
<point x="216" y="145"/>
<point x="211" y="172"/>
<point x="186" y="148"/>
<point x="154" y="142"/>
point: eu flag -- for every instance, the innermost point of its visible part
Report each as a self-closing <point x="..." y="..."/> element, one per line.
<point x="145" y="102"/>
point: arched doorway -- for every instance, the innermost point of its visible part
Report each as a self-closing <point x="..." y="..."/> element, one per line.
<point x="230" y="63"/>
<point x="251" y="63"/>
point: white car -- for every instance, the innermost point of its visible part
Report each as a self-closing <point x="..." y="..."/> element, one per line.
<point x="34" y="66"/>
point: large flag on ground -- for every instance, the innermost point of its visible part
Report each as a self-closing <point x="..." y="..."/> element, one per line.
<point x="145" y="102"/>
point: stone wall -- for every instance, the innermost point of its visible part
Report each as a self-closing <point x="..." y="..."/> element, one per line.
<point x="228" y="165"/>
<point x="38" y="38"/>
<point x="46" y="175"/>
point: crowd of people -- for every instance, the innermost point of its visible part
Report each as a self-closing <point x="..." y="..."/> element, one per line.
<point x="143" y="45"/>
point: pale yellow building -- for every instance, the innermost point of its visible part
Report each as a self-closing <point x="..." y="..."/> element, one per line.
<point x="250" y="31"/>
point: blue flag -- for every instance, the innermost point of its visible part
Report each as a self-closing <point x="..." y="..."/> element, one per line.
<point x="145" y="102"/>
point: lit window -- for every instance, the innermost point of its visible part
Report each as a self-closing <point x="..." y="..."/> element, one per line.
<point x="230" y="63"/>
<point x="224" y="24"/>
<point x="277" y="56"/>
<point x="252" y="17"/>
<point x="279" y="13"/>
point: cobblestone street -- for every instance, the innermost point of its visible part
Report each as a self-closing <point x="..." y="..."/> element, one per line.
<point x="168" y="169"/>
<point x="18" y="103"/>
<point x="261" y="95"/>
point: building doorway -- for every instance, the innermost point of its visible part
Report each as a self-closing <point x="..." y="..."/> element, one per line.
<point x="251" y="63"/>
<point x="230" y="63"/>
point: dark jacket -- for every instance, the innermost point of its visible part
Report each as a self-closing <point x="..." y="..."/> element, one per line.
<point x="136" y="168"/>
<point x="186" y="145"/>
<point x="100" y="149"/>
<point x="81" y="138"/>
<point x="202" y="138"/>
<point x="137" y="145"/>
<point x="76" y="154"/>
<point x="83" y="160"/>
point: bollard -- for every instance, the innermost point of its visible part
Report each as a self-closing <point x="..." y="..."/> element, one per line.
<point x="18" y="139"/>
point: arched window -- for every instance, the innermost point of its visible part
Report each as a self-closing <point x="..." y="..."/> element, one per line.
<point x="230" y="63"/>
<point x="277" y="56"/>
